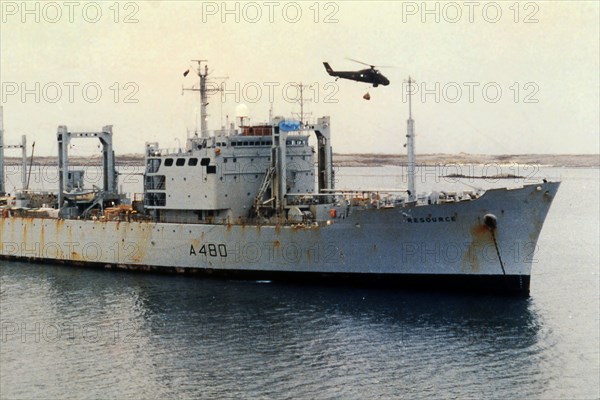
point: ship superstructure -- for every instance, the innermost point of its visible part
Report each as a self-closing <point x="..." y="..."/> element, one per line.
<point x="256" y="173"/>
<point x="245" y="202"/>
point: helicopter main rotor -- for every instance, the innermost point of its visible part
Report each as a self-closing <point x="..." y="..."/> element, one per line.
<point x="369" y="65"/>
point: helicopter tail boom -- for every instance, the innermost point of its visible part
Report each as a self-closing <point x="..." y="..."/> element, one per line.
<point x="328" y="68"/>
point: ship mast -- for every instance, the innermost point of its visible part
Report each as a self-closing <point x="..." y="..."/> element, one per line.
<point x="410" y="146"/>
<point x="203" y="99"/>
<point x="301" y="101"/>
<point x="1" y="152"/>
<point x="203" y="95"/>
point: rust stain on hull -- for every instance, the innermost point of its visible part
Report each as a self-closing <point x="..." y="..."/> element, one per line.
<point x="481" y="239"/>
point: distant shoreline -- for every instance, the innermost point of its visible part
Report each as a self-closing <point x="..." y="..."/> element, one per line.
<point x="380" y="160"/>
<point x="551" y="160"/>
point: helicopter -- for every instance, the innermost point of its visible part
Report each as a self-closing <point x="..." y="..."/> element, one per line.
<point x="369" y="75"/>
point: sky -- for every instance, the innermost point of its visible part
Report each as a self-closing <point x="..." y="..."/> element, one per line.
<point x="491" y="77"/>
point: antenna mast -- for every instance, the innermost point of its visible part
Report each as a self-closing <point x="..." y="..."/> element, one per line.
<point x="301" y="88"/>
<point x="410" y="146"/>
<point x="204" y="92"/>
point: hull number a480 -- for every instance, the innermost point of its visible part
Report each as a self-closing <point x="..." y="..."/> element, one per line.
<point x="209" y="250"/>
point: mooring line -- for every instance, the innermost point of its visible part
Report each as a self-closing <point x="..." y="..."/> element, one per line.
<point x="498" y="252"/>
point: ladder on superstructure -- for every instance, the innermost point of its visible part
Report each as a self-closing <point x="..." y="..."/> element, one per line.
<point x="258" y="200"/>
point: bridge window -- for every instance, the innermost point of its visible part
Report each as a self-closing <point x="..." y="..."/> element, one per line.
<point x="153" y="165"/>
<point x="156" y="182"/>
<point x="155" y="199"/>
<point x="192" y="162"/>
<point x="168" y="162"/>
<point x="180" y="162"/>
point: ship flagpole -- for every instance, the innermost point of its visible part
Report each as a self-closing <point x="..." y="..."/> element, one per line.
<point x="410" y="146"/>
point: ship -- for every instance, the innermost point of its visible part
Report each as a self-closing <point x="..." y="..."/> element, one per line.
<point x="258" y="202"/>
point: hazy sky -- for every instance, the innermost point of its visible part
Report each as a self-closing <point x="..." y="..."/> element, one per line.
<point x="493" y="77"/>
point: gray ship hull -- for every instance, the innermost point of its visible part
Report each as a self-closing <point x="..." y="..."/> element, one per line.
<point x="445" y="245"/>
